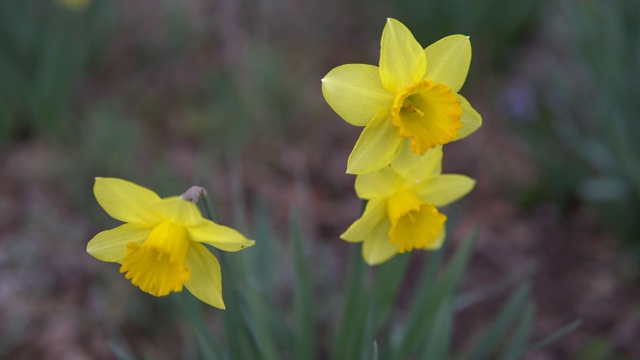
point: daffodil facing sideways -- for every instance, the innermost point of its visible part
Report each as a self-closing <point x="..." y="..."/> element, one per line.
<point x="402" y="208"/>
<point x="160" y="246"/>
<point x="412" y="97"/>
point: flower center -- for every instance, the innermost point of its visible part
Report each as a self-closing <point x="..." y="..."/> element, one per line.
<point x="157" y="266"/>
<point x="414" y="224"/>
<point x="427" y="113"/>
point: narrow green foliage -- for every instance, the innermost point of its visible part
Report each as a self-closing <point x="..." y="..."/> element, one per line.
<point x="121" y="353"/>
<point x="389" y="279"/>
<point x="44" y="48"/>
<point x="241" y="342"/>
<point x="497" y="330"/>
<point x="431" y="298"/>
<point x="349" y="331"/>
<point x="515" y="349"/>
<point x="438" y="341"/>
<point x="259" y="295"/>
<point x="374" y="350"/>
<point x="555" y="336"/>
<point x="191" y="309"/>
<point x="369" y="331"/>
<point x="473" y="296"/>
<point x="305" y="340"/>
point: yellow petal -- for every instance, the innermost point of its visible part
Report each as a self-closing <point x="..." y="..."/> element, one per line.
<point x="376" y="184"/>
<point x="437" y="243"/>
<point x="449" y="60"/>
<point x="377" y="248"/>
<point x="153" y="270"/>
<point x="125" y="201"/>
<point x="469" y="118"/>
<point x="377" y="146"/>
<point x="354" y="92"/>
<point x="221" y="237"/>
<point x="111" y="245"/>
<point x="178" y="210"/>
<point x="414" y="167"/>
<point x="206" y="279"/>
<point x="427" y="113"/>
<point x="445" y="189"/>
<point x="401" y="203"/>
<point x="373" y="214"/>
<point x="417" y="229"/>
<point x="402" y="59"/>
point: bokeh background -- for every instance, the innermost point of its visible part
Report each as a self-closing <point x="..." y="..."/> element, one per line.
<point x="226" y="95"/>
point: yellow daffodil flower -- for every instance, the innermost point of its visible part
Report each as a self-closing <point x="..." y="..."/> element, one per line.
<point x="412" y="97"/>
<point x="401" y="213"/>
<point x="160" y="245"/>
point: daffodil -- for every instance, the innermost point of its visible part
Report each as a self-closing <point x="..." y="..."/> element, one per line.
<point x="402" y="209"/>
<point x="160" y="246"/>
<point x="412" y="97"/>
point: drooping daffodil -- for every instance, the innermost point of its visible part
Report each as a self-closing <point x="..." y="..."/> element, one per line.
<point x="160" y="246"/>
<point x="402" y="206"/>
<point x="411" y="97"/>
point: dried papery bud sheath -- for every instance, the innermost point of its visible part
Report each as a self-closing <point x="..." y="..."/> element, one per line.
<point x="194" y="193"/>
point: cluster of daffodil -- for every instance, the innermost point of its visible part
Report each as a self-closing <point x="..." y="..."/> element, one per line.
<point x="409" y="106"/>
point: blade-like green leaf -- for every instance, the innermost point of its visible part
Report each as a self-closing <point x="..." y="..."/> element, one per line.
<point x="439" y="339"/>
<point x="305" y="339"/>
<point x="121" y="353"/>
<point x="350" y="328"/>
<point x="192" y="311"/>
<point x="389" y="279"/>
<point x="473" y="296"/>
<point x="498" y="328"/>
<point x="369" y="331"/>
<point x="431" y="298"/>
<point x="374" y="350"/>
<point x="258" y="295"/>
<point x="516" y="347"/>
<point x="238" y="333"/>
<point x="555" y="336"/>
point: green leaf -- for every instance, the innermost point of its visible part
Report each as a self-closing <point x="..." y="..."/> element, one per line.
<point x="516" y="347"/>
<point x="241" y="340"/>
<point x="121" y="353"/>
<point x="555" y="336"/>
<point x="473" y="296"/>
<point x="369" y="331"/>
<point x="499" y="327"/>
<point x="305" y="339"/>
<point x="349" y="331"/>
<point x="374" y="350"/>
<point x="431" y="298"/>
<point x="262" y="311"/>
<point x="439" y="339"/>
<point x="389" y="278"/>
<point x="191" y="309"/>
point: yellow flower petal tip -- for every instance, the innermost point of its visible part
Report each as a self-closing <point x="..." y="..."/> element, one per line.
<point x="402" y="211"/>
<point x="159" y="246"/>
<point x="417" y="86"/>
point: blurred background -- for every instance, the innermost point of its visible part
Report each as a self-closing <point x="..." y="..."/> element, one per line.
<point x="226" y="95"/>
